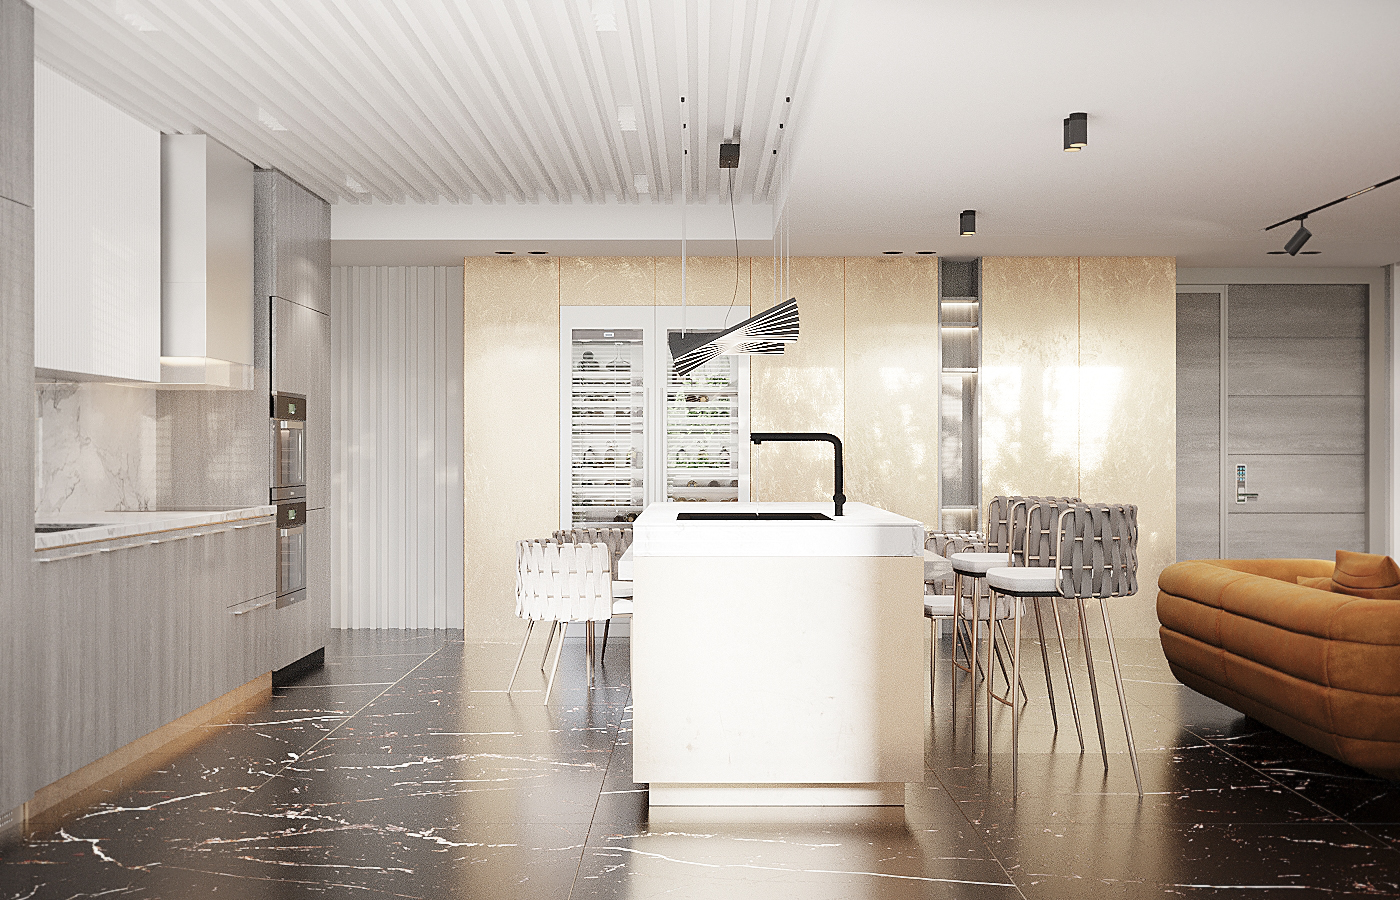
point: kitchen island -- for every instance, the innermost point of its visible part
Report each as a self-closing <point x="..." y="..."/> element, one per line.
<point x="777" y="658"/>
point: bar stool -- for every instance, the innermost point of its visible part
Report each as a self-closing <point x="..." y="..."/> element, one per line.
<point x="1093" y="554"/>
<point x="1006" y="529"/>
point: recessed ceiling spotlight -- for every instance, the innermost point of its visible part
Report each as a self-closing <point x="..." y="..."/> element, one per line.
<point x="269" y="121"/>
<point x="539" y="252"/>
<point x="1076" y="132"/>
<point x="892" y="252"/>
<point x="967" y="222"/>
<point x="505" y="252"/>
<point x="1299" y="253"/>
<point x="925" y="252"/>
<point x="604" y="15"/>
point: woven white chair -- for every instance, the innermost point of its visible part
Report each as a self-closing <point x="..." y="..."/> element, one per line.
<point x="618" y="540"/>
<point x="561" y="583"/>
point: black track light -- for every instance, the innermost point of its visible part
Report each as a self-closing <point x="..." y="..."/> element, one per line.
<point x="1300" y="237"/>
<point x="1076" y="132"/>
<point x="967" y="222"/>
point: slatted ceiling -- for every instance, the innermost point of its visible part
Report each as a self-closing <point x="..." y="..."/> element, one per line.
<point x="427" y="100"/>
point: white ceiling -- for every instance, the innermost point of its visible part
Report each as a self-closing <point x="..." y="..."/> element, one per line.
<point x="1207" y="120"/>
<point x="428" y="100"/>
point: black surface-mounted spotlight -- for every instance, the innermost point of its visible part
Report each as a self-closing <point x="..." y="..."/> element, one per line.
<point x="1300" y="237"/>
<point x="967" y="222"/>
<point x="729" y="156"/>
<point x="1076" y="132"/>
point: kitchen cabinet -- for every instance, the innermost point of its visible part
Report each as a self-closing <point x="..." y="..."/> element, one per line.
<point x="17" y="102"/>
<point x="146" y="628"/>
<point x="97" y="242"/>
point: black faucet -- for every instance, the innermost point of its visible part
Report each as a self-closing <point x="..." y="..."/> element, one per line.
<point x="838" y="498"/>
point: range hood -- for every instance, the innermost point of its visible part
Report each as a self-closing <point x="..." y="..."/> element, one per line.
<point x="206" y="290"/>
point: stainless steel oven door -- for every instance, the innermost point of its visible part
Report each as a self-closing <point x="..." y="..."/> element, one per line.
<point x="291" y="553"/>
<point x="289" y="472"/>
<point x="288" y="447"/>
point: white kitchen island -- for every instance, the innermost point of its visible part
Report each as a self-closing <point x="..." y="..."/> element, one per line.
<point x="777" y="662"/>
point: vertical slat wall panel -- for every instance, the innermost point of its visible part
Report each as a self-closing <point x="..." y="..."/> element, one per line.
<point x="397" y="370"/>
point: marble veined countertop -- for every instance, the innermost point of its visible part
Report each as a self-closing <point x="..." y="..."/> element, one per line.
<point x="108" y="526"/>
<point x="863" y="530"/>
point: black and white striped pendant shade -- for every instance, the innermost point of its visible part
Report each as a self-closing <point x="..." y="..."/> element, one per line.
<point x="765" y="334"/>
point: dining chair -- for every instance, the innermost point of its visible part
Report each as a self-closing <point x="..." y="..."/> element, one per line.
<point x="561" y="583"/>
<point x="617" y="540"/>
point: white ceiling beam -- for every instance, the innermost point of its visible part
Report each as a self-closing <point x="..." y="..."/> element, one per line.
<point x="749" y="162"/>
<point x="658" y="108"/>
<point x="607" y="153"/>
<point x="563" y="109"/>
<point x="264" y="90"/>
<point x="365" y="44"/>
<point x="641" y="99"/>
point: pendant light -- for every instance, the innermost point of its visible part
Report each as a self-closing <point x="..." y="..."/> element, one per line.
<point x="765" y="334"/>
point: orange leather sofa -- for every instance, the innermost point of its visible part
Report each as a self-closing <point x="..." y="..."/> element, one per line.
<point x="1321" y="667"/>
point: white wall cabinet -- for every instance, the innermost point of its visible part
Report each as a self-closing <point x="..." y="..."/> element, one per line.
<point x="96" y="236"/>
<point x="145" y="629"/>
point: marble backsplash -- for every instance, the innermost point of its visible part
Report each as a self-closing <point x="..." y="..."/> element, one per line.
<point x="95" y="449"/>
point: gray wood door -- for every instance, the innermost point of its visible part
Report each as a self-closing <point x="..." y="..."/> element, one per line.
<point x="1286" y="387"/>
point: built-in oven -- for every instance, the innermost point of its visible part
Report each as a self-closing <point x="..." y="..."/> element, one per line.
<point x="291" y="552"/>
<point x="288" y="447"/>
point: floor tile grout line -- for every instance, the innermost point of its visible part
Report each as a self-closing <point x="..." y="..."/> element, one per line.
<point x="325" y="736"/>
<point x="588" y="833"/>
<point x="1380" y="841"/>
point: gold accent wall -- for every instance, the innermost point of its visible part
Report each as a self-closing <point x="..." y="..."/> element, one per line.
<point x="804" y="389"/>
<point x="892" y="385"/>
<point x="1078" y="390"/>
<point x="846" y="359"/>
<point x="510" y="472"/>
<point x="1079" y="394"/>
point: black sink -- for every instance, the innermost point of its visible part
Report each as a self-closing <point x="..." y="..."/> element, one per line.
<point x="752" y="517"/>
<point x="54" y="529"/>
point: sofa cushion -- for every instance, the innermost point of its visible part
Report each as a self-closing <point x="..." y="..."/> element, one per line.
<point x="1367" y="575"/>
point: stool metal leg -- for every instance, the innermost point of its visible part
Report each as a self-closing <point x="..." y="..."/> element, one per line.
<point x="523" y="644"/>
<point x="1093" y="682"/>
<point x="1069" y="679"/>
<point x="991" y="648"/>
<point x="1005" y="677"/>
<point x="1045" y="658"/>
<point x="1015" y="708"/>
<point x="602" y="657"/>
<point x="1122" y="697"/>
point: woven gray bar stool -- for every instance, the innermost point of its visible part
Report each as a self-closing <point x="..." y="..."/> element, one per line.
<point x="1093" y="556"/>
<point x="1028" y="582"/>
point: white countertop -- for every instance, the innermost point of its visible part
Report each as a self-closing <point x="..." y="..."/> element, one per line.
<point x="115" y="525"/>
<point x="863" y="530"/>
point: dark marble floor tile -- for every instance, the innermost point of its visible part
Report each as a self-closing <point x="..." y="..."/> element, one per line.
<point x="1199" y="785"/>
<point x="886" y="859"/>
<point x="1154" y="860"/>
<point x="434" y="725"/>
<point x="1352" y="794"/>
<point x="488" y="787"/>
<point x="398" y="851"/>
